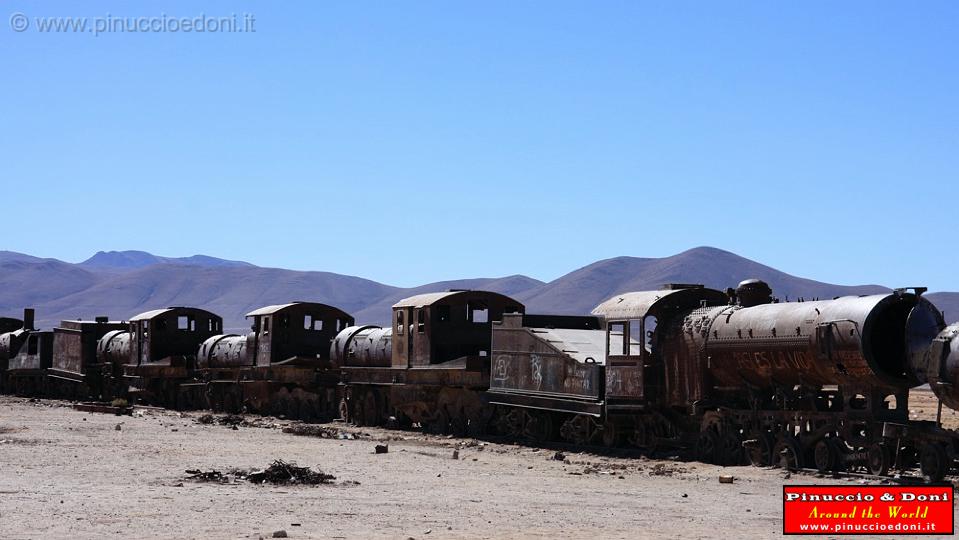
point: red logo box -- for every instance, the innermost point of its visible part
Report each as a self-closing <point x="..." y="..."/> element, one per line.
<point x="873" y="510"/>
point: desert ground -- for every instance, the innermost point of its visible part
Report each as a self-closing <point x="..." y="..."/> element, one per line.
<point x="71" y="474"/>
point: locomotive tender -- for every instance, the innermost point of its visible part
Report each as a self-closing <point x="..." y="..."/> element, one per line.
<point x="734" y="375"/>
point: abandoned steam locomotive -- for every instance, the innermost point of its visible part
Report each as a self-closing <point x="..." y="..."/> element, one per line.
<point x="733" y="375"/>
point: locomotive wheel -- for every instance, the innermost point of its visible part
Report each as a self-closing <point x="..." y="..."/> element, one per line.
<point x="787" y="454"/>
<point x="459" y="424"/>
<point x="511" y="422"/>
<point x="372" y="416"/>
<point x="439" y="424"/>
<point x="231" y="403"/>
<point x="359" y="409"/>
<point x="825" y="455"/>
<point x="878" y="458"/>
<point x="307" y="408"/>
<point x="183" y="400"/>
<point x="908" y="457"/>
<point x="707" y="446"/>
<point x="760" y="453"/>
<point x="611" y="435"/>
<point x="539" y="426"/>
<point x="933" y="462"/>
<point x="731" y="449"/>
<point x="576" y="429"/>
<point x="477" y="423"/>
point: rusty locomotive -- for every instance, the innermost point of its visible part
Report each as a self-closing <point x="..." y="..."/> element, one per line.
<point x="734" y="376"/>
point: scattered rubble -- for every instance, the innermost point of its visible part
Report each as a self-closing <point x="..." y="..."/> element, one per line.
<point x="207" y="476"/>
<point x="279" y="472"/>
<point x="234" y="420"/>
<point x="121" y="409"/>
<point x="322" y="432"/>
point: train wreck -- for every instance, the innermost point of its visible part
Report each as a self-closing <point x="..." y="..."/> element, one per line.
<point x="735" y="377"/>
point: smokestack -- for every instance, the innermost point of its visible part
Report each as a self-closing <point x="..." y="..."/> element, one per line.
<point x="28" y="319"/>
<point x="102" y="320"/>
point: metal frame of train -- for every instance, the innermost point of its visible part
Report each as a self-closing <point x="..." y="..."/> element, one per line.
<point x="734" y="376"/>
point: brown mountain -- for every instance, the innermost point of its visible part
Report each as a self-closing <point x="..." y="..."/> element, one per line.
<point x="122" y="284"/>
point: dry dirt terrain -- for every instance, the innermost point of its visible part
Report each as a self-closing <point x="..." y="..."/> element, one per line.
<point x="71" y="474"/>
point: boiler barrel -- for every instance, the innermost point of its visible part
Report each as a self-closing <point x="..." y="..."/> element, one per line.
<point x="114" y="348"/>
<point x="358" y="346"/>
<point x="859" y="341"/>
<point x="223" y="351"/>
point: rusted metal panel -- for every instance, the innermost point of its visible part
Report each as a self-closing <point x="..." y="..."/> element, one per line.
<point x="939" y="366"/>
<point x="678" y="355"/>
<point x="363" y="346"/>
<point x="12" y="333"/>
<point x="9" y="324"/>
<point x="11" y="342"/>
<point x="454" y="297"/>
<point x="846" y="341"/>
<point x="625" y="361"/>
<point x="36" y="353"/>
<point x="115" y="348"/>
<point x="555" y="367"/>
<point x="637" y="305"/>
<point x="222" y="351"/>
<point x="75" y="343"/>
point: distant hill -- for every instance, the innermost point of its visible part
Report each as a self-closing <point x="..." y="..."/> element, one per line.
<point x="581" y="290"/>
<point x="948" y="302"/>
<point x="122" y="284"/>
<point x="130" y="260"/>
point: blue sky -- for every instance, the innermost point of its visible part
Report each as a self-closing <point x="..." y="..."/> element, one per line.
<point x="412" y="142"/>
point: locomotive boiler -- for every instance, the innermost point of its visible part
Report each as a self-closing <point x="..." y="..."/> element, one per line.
<point x="12" y="333"/>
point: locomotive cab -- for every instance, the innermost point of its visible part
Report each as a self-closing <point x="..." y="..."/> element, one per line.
<point x="635" y="368"/>
<point x="295" y="332"/>
<point x="169" y="336"/>
<point x="26" y="370"/>
<point x="437" y="328"/>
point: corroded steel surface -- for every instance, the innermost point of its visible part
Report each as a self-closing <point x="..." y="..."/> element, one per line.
<point x="223" y="350"/>
<point x="846" y="341"/>
<point x="555" y="362"/>
<point x="363" y="346"/>
<point x="637" y="305"/>
<point x="75" y="343"/>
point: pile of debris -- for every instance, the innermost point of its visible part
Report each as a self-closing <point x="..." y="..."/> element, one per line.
<point x="280" y="472"/>
<point x="209" y="476"/>
<point x="234" y="420"/>
<point x="323" y="432"/>
<point x="225" y="420"/>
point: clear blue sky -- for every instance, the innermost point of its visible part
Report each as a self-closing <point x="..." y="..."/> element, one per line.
<point x="414" y="141"/>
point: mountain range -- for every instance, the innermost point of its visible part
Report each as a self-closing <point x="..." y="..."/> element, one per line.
<point x="123" y="283"/>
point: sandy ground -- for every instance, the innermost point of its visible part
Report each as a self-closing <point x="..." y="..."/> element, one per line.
<point x="70" y="474"/>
